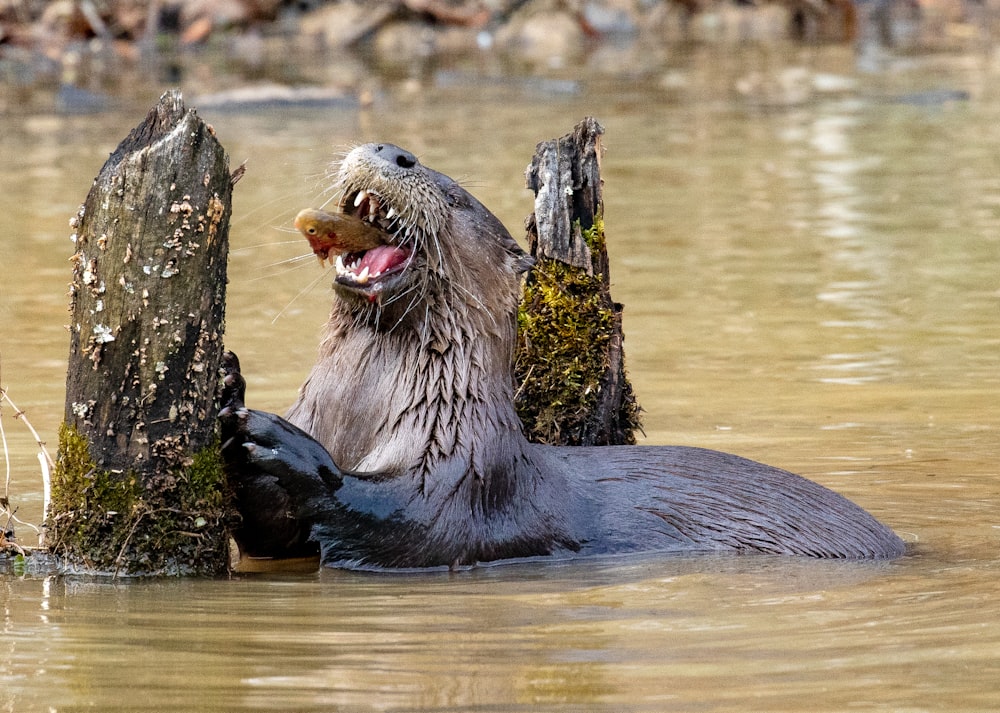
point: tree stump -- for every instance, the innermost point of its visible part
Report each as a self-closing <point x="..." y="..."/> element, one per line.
<point x="570" y="362"/>
<point x="139" y="485"/>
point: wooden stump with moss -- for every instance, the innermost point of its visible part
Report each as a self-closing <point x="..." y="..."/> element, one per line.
<point x="570" y="363"/>
<point x="139" y="486"/>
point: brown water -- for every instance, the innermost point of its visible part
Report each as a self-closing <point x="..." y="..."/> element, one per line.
<point x="810" y="279"/>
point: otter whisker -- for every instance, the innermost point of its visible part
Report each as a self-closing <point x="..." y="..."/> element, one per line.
<point x="476" y="300"/>
<point x="297" y="258"/>
<point x="334" y="194"/>
<point x="258" y="246"/>
<point x="295" y="263"/>
<point x="425" y="326"/>
<point x="247" y="216"/>
<point x="417" y="296"/>
<point x="440" y="252"/>
<point x="304" y="290"/>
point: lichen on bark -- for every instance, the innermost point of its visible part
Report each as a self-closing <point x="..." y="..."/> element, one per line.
<point x="138" y="486"/>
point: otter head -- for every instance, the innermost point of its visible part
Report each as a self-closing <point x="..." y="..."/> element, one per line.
<point x="415" y="369"/>
<point x="443" y="250"/>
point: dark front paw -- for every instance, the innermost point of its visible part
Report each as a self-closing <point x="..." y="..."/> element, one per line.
<point x="283" y="480"/>
<point x="270" y="524"/>
<point x="239" y="426"/>
<point x="297" y="460"/>
<point x="282" y="477"/>
<point x="234" y="387"/>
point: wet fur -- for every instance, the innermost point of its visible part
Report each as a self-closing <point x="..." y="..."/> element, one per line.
<point x="419" y="459"/>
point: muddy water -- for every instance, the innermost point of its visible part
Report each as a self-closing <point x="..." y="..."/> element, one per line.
<point x="808" y="257"/>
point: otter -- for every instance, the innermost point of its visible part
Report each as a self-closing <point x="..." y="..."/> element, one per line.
<point x="404" y="450"/>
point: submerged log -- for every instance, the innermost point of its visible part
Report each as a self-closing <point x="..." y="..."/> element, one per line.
<point x="570" y="362"/>
<point x="139" y="485"/>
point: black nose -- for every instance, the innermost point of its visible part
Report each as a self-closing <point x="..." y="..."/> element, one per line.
<point x="396" y="155"/>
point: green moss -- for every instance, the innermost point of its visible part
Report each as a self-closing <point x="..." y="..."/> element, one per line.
<point x="566" y="321"/>
<point x="594" y="236"/>
<point x="117" y="522"/>
<point x="207" y="477"/>
<point x="93" y="510"/>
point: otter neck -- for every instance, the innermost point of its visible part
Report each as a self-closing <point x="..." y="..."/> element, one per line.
<point x="432" y="400"/>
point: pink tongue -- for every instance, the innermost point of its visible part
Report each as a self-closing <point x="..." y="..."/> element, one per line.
<point x="382" y="258"/>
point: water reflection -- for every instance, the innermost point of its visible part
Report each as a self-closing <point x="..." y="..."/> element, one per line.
<point x="506" y="635"/>
<point x="857" y="368"/>
<point x="627" y="634"/>
<point x="843" y="219"/>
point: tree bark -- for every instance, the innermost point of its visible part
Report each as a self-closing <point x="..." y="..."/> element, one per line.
<point x="570" y="362"/>
<point x="139" y="484"/>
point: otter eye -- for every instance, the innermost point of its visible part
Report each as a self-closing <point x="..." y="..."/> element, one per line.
<point x="404" y="161"/>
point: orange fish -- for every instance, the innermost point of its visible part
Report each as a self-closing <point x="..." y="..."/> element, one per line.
<point x="336" y="233"/>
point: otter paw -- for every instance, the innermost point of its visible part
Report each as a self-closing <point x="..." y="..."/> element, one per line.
<point x="300" y="466"/>
<point x="234" y="386"/>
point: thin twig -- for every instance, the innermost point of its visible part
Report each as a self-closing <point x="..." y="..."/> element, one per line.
<point x="3" y="441"/>
<point x="44" y="460"/>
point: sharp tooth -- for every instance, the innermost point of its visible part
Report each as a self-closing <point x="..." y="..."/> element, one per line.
<point x="361" y="198"/>
<point x="362" y="277"/>
<point x="341" y="268"/>
<point x="391" y="213"/>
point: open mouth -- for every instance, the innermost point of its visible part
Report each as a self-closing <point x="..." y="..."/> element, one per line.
<point x="370" y="271"/>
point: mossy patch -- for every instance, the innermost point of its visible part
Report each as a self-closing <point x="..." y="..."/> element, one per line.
<point x="566" y="322"/>
<point x="110" y="522"/>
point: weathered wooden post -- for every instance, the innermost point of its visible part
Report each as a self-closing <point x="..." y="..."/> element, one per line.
<point x="139" y="486"/>
<point x="570" y="362"/>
